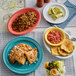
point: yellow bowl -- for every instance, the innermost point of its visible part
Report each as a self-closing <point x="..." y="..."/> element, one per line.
<point x="51" y="29"/>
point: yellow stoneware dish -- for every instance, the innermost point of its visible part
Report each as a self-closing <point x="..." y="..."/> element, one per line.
<point x="54" y="36"/>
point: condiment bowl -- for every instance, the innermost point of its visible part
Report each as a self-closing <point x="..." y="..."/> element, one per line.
<point x="51" y="29"/>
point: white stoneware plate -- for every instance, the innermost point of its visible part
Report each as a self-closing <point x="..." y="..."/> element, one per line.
<point x="48" y="47"/>
<point x="63" y="8"/>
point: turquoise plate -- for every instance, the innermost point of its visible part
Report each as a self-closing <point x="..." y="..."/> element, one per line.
<point x="26" y="68"/>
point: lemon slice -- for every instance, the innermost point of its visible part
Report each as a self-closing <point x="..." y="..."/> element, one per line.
<point x="12" y="4"/>
<point x="46" y="64"/>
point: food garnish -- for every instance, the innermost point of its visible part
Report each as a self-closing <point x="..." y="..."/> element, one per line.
<point x="12" y="4"/>
<point x="24" y="21"/>
<point x="55" y="13"/>
<point x="55" y="68"/>
<point x="54" y="71"/>
<point x="22" y="53"/>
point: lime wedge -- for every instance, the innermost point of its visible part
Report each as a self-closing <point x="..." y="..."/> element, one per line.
<point x="12" y="4"/>
<point x="53" y="16"/>
<point x="59" y="15"/>
<point x="49" y="12"/>
<point x="57" y="10"/>
<point x="52" y="11"/>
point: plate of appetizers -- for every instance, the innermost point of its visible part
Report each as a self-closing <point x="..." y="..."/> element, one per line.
<point x="58" y="43"/>
<point x="23" y="21"/>
<point x="55" y="68"/>
<point x="23" y="55"/>
<point x="55" y="13"/>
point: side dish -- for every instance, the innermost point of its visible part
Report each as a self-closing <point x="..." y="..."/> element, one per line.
<point x="22" y="53"/>
<point x="24" y="21"/>
<point x="59" y="42"/>
<point x="55" y="13"/>
<point x="55" y="68"/>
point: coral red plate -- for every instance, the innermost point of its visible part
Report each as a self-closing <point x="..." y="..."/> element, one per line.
<point x="18" y="13"/>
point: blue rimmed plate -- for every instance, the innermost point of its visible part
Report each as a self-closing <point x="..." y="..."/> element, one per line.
<point x="22" y="69"/>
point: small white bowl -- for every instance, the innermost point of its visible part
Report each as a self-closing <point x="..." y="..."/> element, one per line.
<point x="63" y="8"/>
<point x="48" y="47"/>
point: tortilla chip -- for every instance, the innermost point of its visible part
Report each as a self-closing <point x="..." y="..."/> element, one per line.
<point x="54" y="51"/>
<point x="67" y="46"/>
<point x="62" y="52"/>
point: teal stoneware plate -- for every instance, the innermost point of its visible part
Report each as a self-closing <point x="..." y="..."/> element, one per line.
<point x="26" y="68"/>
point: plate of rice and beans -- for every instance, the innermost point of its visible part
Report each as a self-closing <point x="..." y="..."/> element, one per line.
<point x="23" y="21"/>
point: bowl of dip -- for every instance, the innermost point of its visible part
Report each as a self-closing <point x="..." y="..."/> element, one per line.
<point x="54" y="36"/>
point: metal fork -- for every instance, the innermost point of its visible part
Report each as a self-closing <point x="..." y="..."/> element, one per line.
<point x="73" y="39"/>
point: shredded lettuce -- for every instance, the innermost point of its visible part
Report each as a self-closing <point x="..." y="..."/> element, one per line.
<point x="59" y="64"/>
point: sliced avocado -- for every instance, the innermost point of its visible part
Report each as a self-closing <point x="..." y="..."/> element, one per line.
<point x="53" y="16"/>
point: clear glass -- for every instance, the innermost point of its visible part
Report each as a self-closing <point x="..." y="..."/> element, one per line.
<point x="7" y="5"/>
<point x="0" y="3"/>
<point x="10" y="5"/>
<point x="6" y="17"/>
<point x="20" y="3"/>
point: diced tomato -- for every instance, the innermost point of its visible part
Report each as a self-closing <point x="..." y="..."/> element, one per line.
<point x="54" y="36"/>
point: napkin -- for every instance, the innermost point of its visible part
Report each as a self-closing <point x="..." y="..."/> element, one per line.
<point x="72" y="12"/>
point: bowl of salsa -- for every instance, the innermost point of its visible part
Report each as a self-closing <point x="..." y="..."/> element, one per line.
<point x="54" y="36"/>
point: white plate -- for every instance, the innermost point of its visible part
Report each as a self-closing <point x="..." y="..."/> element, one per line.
<point x="48" y="47"/>
<point x="63" y="8"/>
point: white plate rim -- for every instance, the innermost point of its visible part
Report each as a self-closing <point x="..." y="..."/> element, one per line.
<point x="60" y="4"/>
<point x="48" y="48"/>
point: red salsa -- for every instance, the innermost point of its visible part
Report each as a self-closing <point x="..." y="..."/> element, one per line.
<point x="54" y="37"/>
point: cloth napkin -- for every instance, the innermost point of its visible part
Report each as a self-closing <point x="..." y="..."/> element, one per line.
<point x="72" y="12"/>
